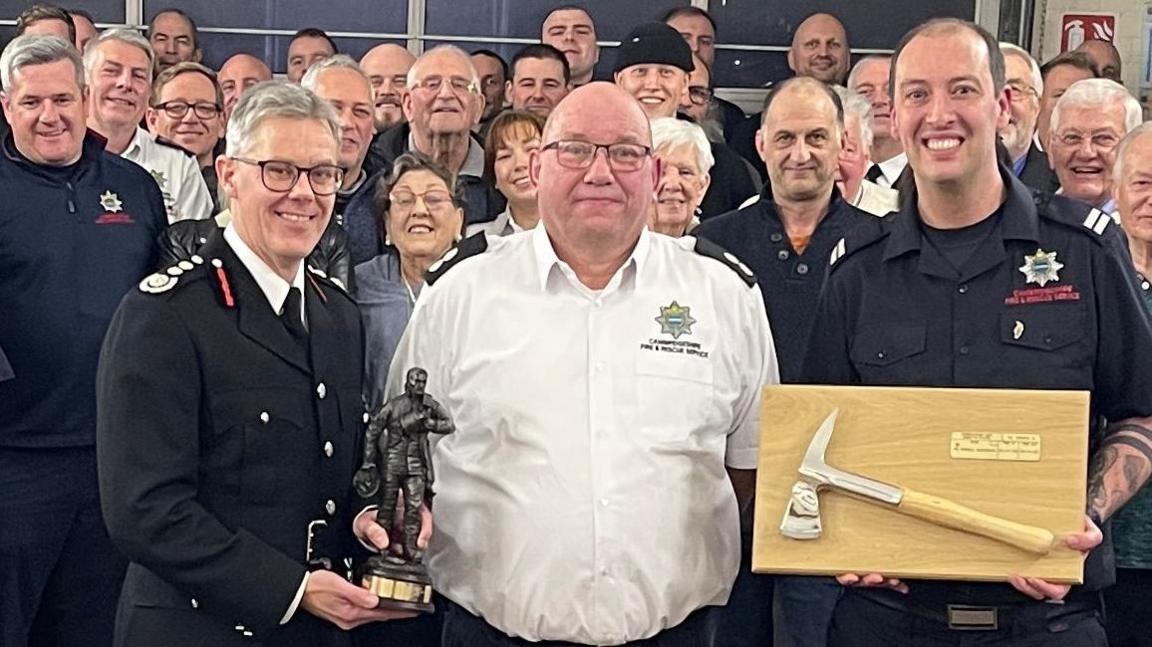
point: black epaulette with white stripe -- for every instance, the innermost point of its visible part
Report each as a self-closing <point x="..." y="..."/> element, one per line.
<point x="710" y="249"/>
<point x="470" y="246"/>
<point x="1074" y="214"/>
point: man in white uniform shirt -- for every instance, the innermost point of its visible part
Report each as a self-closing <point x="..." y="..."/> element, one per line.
<point x="591" y="492"/>
<point x="119" y="64"/>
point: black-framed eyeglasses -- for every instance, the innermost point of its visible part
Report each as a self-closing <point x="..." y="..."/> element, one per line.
<point x="577" y="154"/>
<point x="281" y="176"/>
<point x="177" y="109"/>
<point x="699" y="95"/>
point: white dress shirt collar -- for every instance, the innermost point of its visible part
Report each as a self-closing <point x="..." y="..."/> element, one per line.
<point x="547" y="262"/>
<point x="275" y="289"/>
<point x="892" y="168"/>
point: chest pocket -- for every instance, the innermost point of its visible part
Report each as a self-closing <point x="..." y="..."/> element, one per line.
<point x="264" y="439"/>
<point x="879" y="347"/>
<point x="675" y="393"/>
<point x="1042" y="327"/>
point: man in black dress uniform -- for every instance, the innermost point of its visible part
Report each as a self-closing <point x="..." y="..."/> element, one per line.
<point x="229" y="410"/>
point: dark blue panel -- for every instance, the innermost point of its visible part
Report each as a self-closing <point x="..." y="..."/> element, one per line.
<point x="373" y="16"/>
<point x="272" y="49"/>
<point x="746" y="69"/>
<point x="102" y="10"/>
<point x="870" y="23"/>
<point x="522" y="18"/>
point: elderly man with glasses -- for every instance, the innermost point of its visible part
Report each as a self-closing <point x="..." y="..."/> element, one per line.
<point x="1025" y="86"/>
<point x="442" y="104"/>
<point x="619" y="438"/>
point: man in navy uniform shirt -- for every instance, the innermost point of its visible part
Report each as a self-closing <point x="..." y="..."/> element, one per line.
<point x="76" y="233"/>
<point x="980" y="282"/>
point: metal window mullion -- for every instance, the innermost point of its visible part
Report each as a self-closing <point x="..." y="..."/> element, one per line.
<point x="416" y="21"/>
<point x="134" y="12"/>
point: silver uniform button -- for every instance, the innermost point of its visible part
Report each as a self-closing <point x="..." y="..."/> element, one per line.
<point x="366" y="417"/>
<point x="321" y="390"/>
<point x="329" y="449"/>
<point x="195" y="604"/>
<point x="330" y="507"/>
<point x="264" y="417"/>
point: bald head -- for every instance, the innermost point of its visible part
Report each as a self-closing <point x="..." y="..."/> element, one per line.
<point x="1105" y="56"/>
<point x="820" y="49"/>
<point x="239" y="73"/>
<point x="590" y="103"/>
<point x="387" y="68"/>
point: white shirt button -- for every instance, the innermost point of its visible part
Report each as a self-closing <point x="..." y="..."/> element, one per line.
<point x="321" y="390"/>
<point x="328" y="448"/>
<point x="330" y="507"/>
<point x="195" y="604"/>
<point x="264" y="417"/>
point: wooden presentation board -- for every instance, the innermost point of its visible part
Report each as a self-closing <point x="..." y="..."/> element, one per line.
<point x="905" y="437"/>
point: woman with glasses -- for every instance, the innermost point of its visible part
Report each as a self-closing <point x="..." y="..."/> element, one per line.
<point x="512" y="136"/>
<point x="423" y="216"/>
<point x="685" y="161"/>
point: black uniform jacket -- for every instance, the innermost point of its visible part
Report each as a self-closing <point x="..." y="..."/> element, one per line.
<point x="221" y="440"/>
<point x="895" y="312"/>
<point x="1037" y="173"/>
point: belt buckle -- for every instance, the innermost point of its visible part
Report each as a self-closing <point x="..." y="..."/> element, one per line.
<point x="963" y="617"/>
<point x="320" y="562"/>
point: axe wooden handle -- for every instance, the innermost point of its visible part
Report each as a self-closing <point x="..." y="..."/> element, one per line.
<point x="953" y="515"/>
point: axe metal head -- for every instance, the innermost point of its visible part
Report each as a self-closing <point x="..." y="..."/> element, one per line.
<point x="802" y="516"/>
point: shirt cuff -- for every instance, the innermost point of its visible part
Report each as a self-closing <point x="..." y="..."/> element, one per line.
<point x="372" y="509"/>
<point x="296" y="600"/>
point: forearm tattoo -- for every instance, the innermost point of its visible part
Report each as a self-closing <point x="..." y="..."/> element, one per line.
<point x="1119" y="468"/>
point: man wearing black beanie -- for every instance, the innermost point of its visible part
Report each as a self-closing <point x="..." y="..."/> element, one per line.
<point x="653" y="64"/>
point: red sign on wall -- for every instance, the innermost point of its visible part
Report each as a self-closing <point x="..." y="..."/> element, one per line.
<point x="1075" y="28"/>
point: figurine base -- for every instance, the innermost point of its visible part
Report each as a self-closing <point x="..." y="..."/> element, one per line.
<point x="399" y="585"/>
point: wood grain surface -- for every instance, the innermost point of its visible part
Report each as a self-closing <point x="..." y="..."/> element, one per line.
<point x="903" y="436"/>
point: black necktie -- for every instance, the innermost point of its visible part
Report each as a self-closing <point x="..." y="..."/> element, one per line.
<point x="874" y="173"/>
<point x="291" y="314"/>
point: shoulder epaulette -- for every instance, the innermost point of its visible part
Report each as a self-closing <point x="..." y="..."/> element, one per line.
<point x="328" y="279"/>
<point x="168" y="278"/>
<point x="470" y="246"/>
<point x="705" y="247"/>
<point x="1073" y="214"/>
<point x="863" y="234"/>
<point x="171" y="144"/>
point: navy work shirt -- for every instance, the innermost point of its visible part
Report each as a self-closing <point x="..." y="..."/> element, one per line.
<point x="790" y="281"/>
<point x="895" y="312"/>
<point x="73" y="241"/>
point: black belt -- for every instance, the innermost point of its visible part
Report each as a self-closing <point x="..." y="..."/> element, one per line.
<point x="976" y="617"/>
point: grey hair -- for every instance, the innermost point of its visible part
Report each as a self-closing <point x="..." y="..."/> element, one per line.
<point x="34" y="49"/>
<point x="1010" y="49"/>
<point x="856" y="105"/>
<point x="444" y="48"/>
<point x="272" y="99"/>
<point x="670" y="132"/>
<point x="860" y="63"/>
<point x="1122" y="149"/>
<point x="1099" y="93"/>
<point x="124" y="35"/>
<point x="343" y="61"/>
